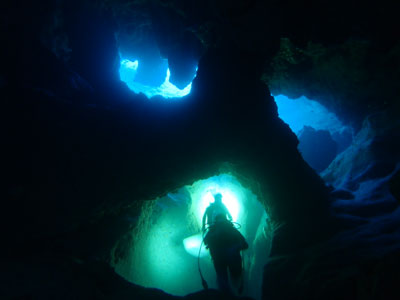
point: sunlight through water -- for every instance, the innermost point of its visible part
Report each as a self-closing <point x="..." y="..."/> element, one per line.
<point x="128" y="70"/>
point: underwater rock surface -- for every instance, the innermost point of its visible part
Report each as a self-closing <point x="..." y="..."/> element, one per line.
<point x="64" y="278"/>
<point x="317" y="147"/>
<point x="361" y="258"/>
<point x="82" y="154"/>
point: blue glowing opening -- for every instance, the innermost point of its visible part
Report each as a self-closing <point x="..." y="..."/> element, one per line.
<point x="130" y="74"/>
<point x="302" y="111"/>
<point x="322" y="136"/>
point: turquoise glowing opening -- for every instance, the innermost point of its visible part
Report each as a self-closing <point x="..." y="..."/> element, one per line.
<point x="202" y="194"/>
<point x="165" y="244"/>
<point x="229" y="199"/>
<point x="128" y="71"/>
<point x="232" y="192"/>
<point x="302" y="111"/>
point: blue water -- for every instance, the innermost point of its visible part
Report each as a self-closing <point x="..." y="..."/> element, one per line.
<point x="302" y="111"/>
<point x="129" y="71"/>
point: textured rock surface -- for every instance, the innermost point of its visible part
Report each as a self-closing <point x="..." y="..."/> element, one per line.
<point x="361" y="259"/>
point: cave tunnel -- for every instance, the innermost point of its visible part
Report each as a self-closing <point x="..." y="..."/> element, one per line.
<point x="123" y="119"/>
<point x="322" y="136"/>
<point x="165" y="246"/>
<point x="130" y="71"/>
<point x="145" y="71"/>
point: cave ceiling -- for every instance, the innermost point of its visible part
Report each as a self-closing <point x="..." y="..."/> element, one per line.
<point x="345" y="54"/>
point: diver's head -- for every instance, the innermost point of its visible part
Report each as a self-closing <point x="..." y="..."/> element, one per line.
<point x="218" y="198"/>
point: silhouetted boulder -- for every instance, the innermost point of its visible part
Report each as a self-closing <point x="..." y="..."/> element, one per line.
<point x="317" y="147"/>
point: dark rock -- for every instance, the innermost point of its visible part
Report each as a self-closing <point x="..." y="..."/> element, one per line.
<point x="331" y="273"/>
<point x="94" y="54"/>
<point x="317" y="147"/>
<point x="81" y="153"/>
<point x="395" y="185"/>
<point x="367" y="210"/>
<point x="72" y="278"/>
<point x="342" y="194"/>
<point x="39" y="69"/>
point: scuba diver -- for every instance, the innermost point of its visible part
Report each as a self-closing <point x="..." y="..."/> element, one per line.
<point x="213" y="210"/>
<point x="225" y="243"/>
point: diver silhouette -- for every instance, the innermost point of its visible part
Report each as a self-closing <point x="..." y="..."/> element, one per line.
<point x="225" y="243"/>
<point x="213" y="210"/>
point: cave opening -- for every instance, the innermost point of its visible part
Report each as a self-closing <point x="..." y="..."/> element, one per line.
<point x="138" y="80"/>
<point x="322" y="136"/>
<point x="146" y="70"/>
<point x="163" y="248"/>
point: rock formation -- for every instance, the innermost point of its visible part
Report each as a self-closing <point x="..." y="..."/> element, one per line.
<point x="82" y="154"/>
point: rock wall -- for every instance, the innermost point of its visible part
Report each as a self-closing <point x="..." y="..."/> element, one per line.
<point x="82" y="153"/>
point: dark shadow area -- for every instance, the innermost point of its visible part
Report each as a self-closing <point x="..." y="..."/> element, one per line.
<point x="84" y="158"/>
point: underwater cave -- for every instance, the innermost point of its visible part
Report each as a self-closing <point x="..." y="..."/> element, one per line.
<point x="322" y="136"/>
<point x="144" y="70"/>
<point x="169" y="234"/>
<point x="129" y="71"/>
<point x="127" y="124"/>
